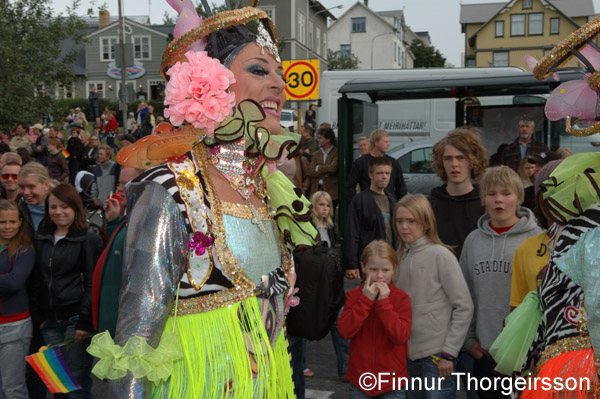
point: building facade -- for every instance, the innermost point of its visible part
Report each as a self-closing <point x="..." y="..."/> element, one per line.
<point x="502" y="34"/>
<point x="301" y="28"/>
<point x="378" y="39"/>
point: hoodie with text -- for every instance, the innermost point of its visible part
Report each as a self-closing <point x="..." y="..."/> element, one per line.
<point x="486" y="263"/>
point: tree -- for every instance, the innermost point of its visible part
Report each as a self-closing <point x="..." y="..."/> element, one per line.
<point x="337" y="61"/>
<point x="168" y="19"/>
<point x="31" y="57"/>
<point x="426" y="56"/>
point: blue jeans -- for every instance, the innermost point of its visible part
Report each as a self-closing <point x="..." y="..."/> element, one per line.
<point x="356" y="393"/>
<point x="341" y="347"/>
<point x="14" y="346"/>
<point x="76" y="356"/>
<point x="432" y="386"/>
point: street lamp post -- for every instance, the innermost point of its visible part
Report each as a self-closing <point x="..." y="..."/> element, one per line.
<point x="372" y="40"/>
<point x="314" y="15"/>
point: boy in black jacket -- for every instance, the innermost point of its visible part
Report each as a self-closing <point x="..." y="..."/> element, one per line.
<point x="369" y="216"/>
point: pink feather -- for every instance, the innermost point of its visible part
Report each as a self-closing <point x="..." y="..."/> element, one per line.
<point x="575" y="99"/>
<point x="532" y="62"/>
<point x="188" y="19"/>
<point x="592" y="55"/>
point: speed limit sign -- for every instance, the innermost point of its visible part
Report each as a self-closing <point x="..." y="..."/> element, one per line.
<point x="302" y="77"/>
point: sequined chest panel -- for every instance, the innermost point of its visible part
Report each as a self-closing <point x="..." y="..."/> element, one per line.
<point x="208" y="253"/>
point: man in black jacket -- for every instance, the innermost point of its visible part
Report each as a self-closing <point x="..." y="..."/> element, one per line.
<point x="458" y="159"/>
<point x="369" y="216"/>
<point x="359" y="172"/>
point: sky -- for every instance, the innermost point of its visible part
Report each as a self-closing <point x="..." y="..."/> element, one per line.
<point x="439" y="17"/>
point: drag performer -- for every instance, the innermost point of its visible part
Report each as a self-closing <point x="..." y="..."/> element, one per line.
<point x="568" y="338"/>
<point x="207" y="269"/>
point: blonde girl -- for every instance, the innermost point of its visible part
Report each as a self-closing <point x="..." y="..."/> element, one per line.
<point x="439" y="297"/>
<point x="17" y="258"/>
<point x="322" y="216"/>
<point x="376" y="319"/>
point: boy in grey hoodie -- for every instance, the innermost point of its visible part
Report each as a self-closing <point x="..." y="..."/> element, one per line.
<point x="486" y="262"/>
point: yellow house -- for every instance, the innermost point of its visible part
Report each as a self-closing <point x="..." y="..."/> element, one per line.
<point x="502" y="34"/>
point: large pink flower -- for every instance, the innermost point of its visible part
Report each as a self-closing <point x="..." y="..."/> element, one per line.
<point x="197" y="92"/>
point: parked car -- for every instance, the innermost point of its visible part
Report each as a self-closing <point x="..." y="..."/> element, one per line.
<point x="289" y="119"/>
<point x="415" y="160"/>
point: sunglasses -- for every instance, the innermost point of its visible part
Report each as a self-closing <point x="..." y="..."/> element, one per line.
<point x="9" y="176"/>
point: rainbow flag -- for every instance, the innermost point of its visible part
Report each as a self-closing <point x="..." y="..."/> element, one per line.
<point x="52" y="368"/>
<point x="65" y="153"/>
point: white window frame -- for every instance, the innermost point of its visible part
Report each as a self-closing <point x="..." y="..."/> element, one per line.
<point x="496" y="63"/>
<point x="301" y="27"/>
<point x="141" y="37"/>
<point x="270" y="11"/>
<point x="540" y="22"/>
<point x="149" y="84"/>
<point x="95" y="83"/>
<point x="62" y="96"/>
<point x="318" y="41"/>
<point x="101" y="41"/>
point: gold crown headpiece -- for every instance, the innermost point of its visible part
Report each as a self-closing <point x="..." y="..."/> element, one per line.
<point x="224" y="20"/>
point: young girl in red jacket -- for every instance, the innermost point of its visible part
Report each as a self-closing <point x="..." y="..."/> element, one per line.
<point x="376" y="319"/>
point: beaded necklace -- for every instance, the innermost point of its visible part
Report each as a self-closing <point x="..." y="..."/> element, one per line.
<point x="243" y="174"/>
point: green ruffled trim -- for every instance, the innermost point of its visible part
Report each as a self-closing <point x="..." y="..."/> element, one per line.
<point x="136" y="356"/>
<point x="292" y="209"/>
<point x="573" y="187"/>
<point x="258" y="139"/>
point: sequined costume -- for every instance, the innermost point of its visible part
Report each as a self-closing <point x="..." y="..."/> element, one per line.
<point x="204" y="284"/>
<point x="568" y="336"/>
<point x="229" y="315"/>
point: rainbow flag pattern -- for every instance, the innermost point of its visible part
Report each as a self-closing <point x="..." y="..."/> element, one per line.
<point x="65" y="153"/>
<point x="52" y="368"/>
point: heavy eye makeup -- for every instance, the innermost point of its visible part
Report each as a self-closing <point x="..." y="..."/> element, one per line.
<point x="260" y="71"/>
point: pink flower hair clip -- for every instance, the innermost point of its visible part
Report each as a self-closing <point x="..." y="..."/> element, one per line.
<point x="198" y="92"/>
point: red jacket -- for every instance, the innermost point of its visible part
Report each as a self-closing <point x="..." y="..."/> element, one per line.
<point x="378" y="333"/>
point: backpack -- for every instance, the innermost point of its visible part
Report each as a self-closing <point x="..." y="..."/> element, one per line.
<point x="320" y="280"/>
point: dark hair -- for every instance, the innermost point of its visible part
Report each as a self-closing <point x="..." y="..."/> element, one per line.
<point x="21" y="240"/>
<point x="327" y="133"/>
<point x="378" y="161"/>
<point x="4" y="147"/>
<point x="67" y="193"/>
<point x="25" y="156"/>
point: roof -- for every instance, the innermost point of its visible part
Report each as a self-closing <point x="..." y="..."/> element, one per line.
<point x="479" y="83"/>
<point x="150" y="28"/>
<point x="367" y="9"/>
<point x="478" y="13"/>
<point x="575" y="8"/>
<point x="92" y="21"/>
<point x="481" y="13"/>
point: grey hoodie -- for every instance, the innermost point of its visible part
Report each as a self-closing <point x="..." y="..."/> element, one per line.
<point x="486" y="263"/>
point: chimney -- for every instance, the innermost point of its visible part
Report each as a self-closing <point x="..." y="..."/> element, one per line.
<point x="103" y="18"/>
<point x="366" y="3"/>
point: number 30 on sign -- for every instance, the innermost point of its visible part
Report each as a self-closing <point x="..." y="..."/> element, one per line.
<point x="302" y="77"/>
